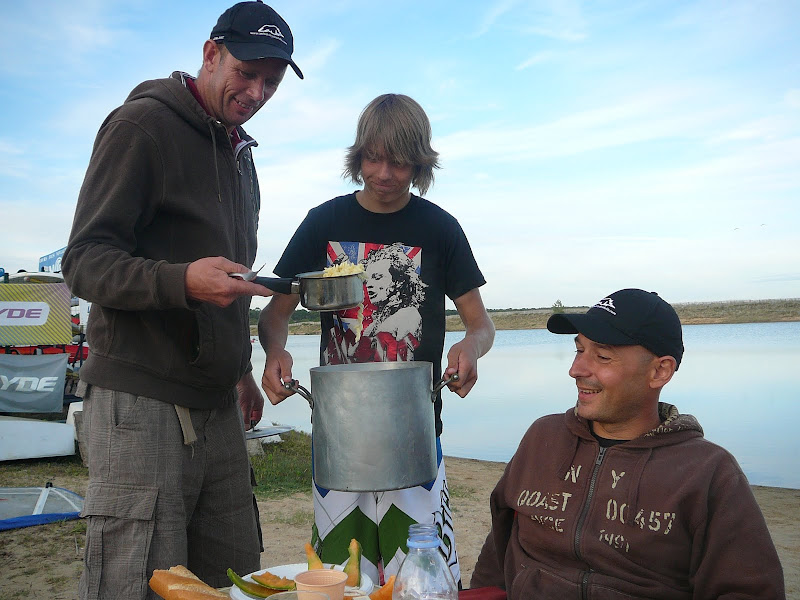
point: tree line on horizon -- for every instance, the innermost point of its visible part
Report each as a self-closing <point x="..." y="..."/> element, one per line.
<point x="301" y="315"/>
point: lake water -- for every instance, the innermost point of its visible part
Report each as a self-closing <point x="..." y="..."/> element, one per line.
<point x="740" y="381"/>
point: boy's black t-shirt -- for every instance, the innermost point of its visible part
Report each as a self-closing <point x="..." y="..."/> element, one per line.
<point x="412" y="257"/>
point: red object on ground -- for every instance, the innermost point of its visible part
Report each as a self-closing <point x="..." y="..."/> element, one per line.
<point x="484" y="593"/>
<point x="76" y="352"/>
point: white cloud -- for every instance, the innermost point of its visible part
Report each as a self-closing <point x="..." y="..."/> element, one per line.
<point x="13" y="159"/>
<point x="14" y="164"/>
<point x="289" y="188"/>
<point x="39" y="227"/>
<point x="315" y="61"/>
<point x="62" y="37"/>
<point x="562" y="20"/>
<point x="766" y="128"/>
<point x="647" y="116"/>
<point x="292" y="120"/>
<point x="536" y="59"/>
<point x="494" y="12"/>
<point x="581" y="268"/>
<point x="792" y="99"/>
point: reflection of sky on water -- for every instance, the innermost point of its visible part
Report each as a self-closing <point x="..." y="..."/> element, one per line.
<point x="738" y="380"/>
<point x="294" y="410"/>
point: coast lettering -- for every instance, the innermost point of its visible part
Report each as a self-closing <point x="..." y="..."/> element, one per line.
<point x="549" y="501"/>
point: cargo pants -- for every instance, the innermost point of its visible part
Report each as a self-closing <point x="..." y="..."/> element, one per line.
<point x="154" y="502"/>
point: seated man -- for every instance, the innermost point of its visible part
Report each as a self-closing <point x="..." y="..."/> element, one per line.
<point x="621" y="496"/>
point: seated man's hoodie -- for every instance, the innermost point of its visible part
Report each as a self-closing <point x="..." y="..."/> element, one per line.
<point x="666" y="516"/>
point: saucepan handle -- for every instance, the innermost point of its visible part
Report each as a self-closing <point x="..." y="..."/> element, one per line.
<point x="445" y="380"/>
<point x="282" y="285"/>
<point x="295" y="386"/>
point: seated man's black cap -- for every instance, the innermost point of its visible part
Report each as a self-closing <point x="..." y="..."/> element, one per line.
<point x="628" y="317"/>
<point x="253" y="30"/>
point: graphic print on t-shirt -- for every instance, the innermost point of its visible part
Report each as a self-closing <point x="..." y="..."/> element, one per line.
<point x="393" y="293"/>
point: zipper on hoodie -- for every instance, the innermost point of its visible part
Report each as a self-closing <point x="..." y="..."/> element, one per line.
<point x="241" y="255"/>
<point x="579" y="530"/>
<point x="585" y="584"/>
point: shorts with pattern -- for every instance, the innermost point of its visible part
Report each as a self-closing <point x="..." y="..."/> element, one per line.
<point x="380" y="520"/>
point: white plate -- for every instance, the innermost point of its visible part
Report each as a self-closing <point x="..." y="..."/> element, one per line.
<point x="271" y="430"/>
<point x="291" y="570"/>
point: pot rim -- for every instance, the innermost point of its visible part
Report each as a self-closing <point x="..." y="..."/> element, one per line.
<point x="373" y="366"/>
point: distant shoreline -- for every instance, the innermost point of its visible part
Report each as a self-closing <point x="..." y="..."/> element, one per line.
<point x="693" y="313"/>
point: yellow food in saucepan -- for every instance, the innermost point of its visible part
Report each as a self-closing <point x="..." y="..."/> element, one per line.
<point x="343" y="268"/>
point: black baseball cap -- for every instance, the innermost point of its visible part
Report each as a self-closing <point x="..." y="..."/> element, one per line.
<point x="628" y="317"/>
<point x="253" y="30"/>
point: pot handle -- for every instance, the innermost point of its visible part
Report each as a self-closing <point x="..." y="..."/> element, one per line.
<point x="282" y="285"/>
<point x="445" y="380"/>
<point x="295" y="386"/>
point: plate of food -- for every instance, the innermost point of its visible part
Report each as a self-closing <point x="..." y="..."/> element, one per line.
<point x="289" y="572"/>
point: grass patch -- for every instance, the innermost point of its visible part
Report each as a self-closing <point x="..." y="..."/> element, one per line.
<point x="78" y="527"/>
<point x="300" y="518"/>
<point x="36" y="472"/>
<point x="60" y="582"/>
<point x="461" y="491"/>
<point x="285" y="468"/>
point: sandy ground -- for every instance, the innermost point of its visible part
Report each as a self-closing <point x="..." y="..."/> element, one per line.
<point x="46" y="561"/>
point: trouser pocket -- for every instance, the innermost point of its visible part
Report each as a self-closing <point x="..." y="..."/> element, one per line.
<point x="121" y="521"/>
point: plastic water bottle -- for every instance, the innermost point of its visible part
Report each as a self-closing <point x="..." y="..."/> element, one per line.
<point x="424" y="574"/>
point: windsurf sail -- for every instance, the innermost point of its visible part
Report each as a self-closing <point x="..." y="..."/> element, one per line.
<point x="26" y="506"/>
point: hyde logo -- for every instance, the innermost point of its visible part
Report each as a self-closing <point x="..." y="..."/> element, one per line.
<point x="28" y="385"/>
<point x="23" y="314"/>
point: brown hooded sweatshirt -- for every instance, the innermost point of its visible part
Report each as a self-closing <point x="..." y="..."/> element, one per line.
<point x="666" y="516"/>
<point x="164" y="187"/>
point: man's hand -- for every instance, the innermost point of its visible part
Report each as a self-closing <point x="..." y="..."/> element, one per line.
<point x="207" y="280"/>
<point x="462" y="358"/>
<point x="277" y="370"/>
<point x="251" y="402"/>
<point x="273" y="331"/>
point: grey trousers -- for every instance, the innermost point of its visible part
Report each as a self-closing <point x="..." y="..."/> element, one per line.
<point x="154" y="502"/>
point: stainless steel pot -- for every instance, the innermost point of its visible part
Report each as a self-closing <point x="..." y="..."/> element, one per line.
<point x="373" y="425"/>
<point x="316" y="292"/>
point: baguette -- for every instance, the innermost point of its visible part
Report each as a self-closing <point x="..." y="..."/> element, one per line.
<point x="179" y="583"/>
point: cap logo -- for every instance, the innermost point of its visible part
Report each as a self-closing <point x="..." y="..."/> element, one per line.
<point x="607" y="304"/>
<point x="270" y="30"/>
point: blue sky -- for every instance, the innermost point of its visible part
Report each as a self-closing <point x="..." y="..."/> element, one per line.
<point x="585" y="146"/>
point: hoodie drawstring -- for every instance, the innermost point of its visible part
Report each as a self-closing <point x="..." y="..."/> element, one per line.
<point x="569" y="460"/>
<point x="633" y="491"/>
<point x="216" y="164"/>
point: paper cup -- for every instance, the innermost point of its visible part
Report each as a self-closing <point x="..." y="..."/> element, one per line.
<point x="295" y="595"/>
<point x="328" y="581"/>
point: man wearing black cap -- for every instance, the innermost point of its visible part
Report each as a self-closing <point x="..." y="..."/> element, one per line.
<point x="168" y="209"/>
<point x="621" y="496"/>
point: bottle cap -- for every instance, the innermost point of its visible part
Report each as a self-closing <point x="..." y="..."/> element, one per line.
<point x="423" y="536"/>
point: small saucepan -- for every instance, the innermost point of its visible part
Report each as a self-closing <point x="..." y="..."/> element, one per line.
<point x="316" y="292"/>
